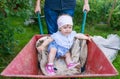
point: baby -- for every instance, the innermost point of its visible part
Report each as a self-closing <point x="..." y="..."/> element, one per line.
<point x="60" y="43"/>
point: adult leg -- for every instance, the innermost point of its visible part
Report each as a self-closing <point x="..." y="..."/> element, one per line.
<point x="68" y="11"/>
<point x="51" y="20"/>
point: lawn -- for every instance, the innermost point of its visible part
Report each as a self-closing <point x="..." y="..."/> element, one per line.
<point x="24" y="33"/>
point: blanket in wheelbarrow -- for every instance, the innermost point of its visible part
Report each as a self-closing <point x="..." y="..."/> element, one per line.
<point x="78" y="53"/>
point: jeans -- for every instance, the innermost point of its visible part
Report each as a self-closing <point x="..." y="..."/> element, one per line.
<point x="51" y="18"/>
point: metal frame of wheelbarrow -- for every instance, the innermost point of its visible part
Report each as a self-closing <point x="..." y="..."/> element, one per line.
<point x="25" y="64"/>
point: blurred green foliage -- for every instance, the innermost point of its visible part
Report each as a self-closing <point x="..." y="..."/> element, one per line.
<point x="6" y="38"/>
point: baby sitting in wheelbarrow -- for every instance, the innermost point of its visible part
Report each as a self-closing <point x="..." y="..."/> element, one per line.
<point x="59" y="43"/>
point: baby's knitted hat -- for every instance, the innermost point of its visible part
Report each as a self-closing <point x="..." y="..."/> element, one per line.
<point x="63" y="20"/>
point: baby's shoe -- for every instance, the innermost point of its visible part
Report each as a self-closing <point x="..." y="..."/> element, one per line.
<point x="72" y="65"/>
<point x="50" y="69"/>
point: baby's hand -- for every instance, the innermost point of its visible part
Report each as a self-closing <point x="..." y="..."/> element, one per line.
<point x="82" y="36"/>
<point x="89" y="38"/>
<point x="40" y="48"/>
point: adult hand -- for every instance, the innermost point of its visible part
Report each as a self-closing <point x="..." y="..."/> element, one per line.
<point x="37" y="9"/>
<point x="86" y="7"/>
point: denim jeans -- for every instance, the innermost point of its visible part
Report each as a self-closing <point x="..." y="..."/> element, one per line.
<point x="51" y="18"/>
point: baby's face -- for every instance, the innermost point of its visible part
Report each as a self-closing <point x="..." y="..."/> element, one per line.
<point x="66" y="29"/>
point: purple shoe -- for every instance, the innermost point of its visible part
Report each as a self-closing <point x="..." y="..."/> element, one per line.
<point x="50" y="69"/>
<point x="72" y="65"/>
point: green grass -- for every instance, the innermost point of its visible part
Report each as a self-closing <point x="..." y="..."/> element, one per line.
<point x="24" y="33"/>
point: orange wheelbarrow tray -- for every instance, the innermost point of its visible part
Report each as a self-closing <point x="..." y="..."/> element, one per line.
<point x="25" y="64"/>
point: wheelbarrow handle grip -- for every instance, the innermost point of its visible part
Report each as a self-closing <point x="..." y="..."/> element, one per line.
<point x="84" y="21"/>
<point x="39" y="22"/>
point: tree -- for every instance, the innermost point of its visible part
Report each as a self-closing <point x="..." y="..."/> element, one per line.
<point x="111" y="12"/>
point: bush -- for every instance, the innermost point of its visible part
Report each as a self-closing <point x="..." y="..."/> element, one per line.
<point x="6" y="37"/>
<point x="115" y="18"/>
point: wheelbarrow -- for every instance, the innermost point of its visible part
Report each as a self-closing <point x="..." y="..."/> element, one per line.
<point x="25" y="64"/>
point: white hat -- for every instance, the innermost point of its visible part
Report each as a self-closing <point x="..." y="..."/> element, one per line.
<point x="63" y="20"/>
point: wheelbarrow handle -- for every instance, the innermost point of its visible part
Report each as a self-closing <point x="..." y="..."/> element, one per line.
<point x="84" y="21"/>
<point x="82" y="31"/>
<point x="39" y="22"/>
